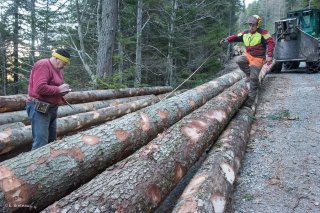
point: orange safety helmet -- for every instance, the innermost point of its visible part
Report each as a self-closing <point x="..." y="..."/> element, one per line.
<point x="255" y="19"/>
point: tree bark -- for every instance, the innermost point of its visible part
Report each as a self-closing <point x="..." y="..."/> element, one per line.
<point x="11" y="139"/>
<point x="12" y="102"/>
<point x="3" y="62"/>
<point x="169" y="65"/>
<point x="22" y="116"/>
<point x="140" y="182"/>
<point x="210" y="188"/>
<point x="16" y="125"/>
<point x="17" y="102"/>
<point x="137" y="80"/>
<point x="16" y="46"/>
<point x="33" y="30"/>
<point x="107" y="38"/>
<point x="82" y="52"/>
<point x="88" y="153"/>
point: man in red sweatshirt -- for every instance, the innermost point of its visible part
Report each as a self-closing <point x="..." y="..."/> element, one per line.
<point x="259" y="50"/>
<point x="46" y="91"/>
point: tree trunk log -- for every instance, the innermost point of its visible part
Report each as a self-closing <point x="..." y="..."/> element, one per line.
<point x="58" y="168"/>
<point x="16" y="125"/>
<point x="265" y="70"/>
<point x="18" y="102"/>
<point x="140" y="182"/>
<point x="14" y="138"/>
<point x="210" y="189"/>
<point x="12" y="102"/>
<point x="22" y="116"/>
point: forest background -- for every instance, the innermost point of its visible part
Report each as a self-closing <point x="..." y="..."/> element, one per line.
<point x="126" y="43"/>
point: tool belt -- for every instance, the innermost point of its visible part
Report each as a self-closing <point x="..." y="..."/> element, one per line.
<point x="42" y="106"/>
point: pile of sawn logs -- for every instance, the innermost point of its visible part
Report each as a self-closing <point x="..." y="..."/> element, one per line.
<point x="132" y="163"/>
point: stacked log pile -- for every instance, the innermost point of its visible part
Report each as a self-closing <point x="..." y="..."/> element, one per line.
<point x="140" y="182"/>
<point x="210" y="188"/>
<point x="21" y="116"/>
<point x="18" y="102"/>
<point x="13" y="138"/>
<point x="128" y="164"/>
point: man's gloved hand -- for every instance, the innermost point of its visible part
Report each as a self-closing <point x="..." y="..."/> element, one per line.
<point x="269" y="61"/>
<point x="222" y="41"/>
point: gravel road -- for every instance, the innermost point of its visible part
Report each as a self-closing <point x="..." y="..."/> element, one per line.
<point x="281" y="169"/>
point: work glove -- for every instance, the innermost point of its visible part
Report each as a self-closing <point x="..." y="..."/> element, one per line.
<point x="269" y="61"/>
<point x="222" y="41"/>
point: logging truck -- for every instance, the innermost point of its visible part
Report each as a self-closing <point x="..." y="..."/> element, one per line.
<point x="297" y="39"/>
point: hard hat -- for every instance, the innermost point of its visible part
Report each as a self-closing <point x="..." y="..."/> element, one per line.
<point x="255" y="19"/>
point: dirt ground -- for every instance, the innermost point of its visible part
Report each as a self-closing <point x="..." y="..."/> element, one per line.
<point x="280" y="172"/>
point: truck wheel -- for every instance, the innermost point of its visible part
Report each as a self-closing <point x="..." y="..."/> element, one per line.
<point x="277" y="67"/>
<point x="313" y="67"/>
<point x="291" y="65"/>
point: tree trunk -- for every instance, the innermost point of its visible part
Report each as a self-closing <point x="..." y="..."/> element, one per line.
<point x="33" y="30"/>
<point x="107" y="38"/>
<point x="140" y="182"/>
<point x="210" y="188"/>
<point x="15" y="47"/>
<point x="22" y="116"/>
<point x="137" y="80"/>
<point x="12" y="102"/>
<point x="170" y="67"/>
<point x="16" y="125"/>
<point x="120" y="46"/>
<point x="14" y="138"/>
<point x="17" y="102"/>
<point x="82" y="52"/>
<point x="90" y="152"/>
<point x="3" y="62"/>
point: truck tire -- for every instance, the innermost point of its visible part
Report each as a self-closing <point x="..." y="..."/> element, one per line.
<point x="289" y="65"/>
<point x="277" y="67"/>
<point x="313" y="67"/>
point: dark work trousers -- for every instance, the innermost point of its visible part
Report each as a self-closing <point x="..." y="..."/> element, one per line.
<point x="252" y="73"/>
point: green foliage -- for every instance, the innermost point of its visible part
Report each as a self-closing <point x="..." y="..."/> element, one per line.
<point x="248" y="197"/>
<point x="106" y="83"/>
<point x="197" y="26"/>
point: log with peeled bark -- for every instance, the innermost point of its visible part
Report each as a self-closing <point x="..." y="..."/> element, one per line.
<point x="140" y="182"/>
<point x="211" y="187"/>
<point x="50" y="172"/>
<point x="17" y="102"/>
<point x="22" y="116"/>
<point x="11" y="139"/>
